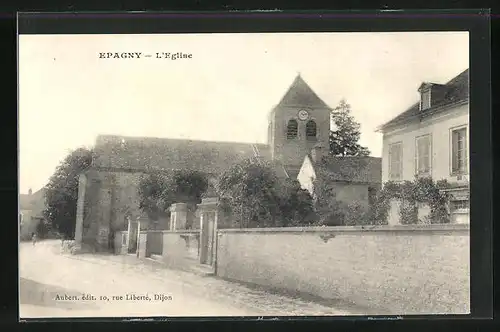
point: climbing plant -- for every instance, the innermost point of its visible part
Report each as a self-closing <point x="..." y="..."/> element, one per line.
<point x="411" y="193"/>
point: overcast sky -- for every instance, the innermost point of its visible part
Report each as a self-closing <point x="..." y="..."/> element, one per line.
<point x="68" y="95"/>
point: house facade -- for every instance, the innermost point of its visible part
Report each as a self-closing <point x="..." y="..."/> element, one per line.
<point x="431" y="139"/>
<point x="31" y="208"/>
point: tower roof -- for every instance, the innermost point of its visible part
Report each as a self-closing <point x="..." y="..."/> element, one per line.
<point x="301" y="94"/>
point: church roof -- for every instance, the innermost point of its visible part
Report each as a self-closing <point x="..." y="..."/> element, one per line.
<point x="143" y="154"/>
<point x="301" y="94"/>
<point x="351" y="168"/>
<point x="456" y="90"/>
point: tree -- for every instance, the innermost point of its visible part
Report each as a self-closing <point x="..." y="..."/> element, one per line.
<point x="326" y="205"/>
<point x="248" y="190"/>
<point x="61" y="193"/>
<point x="158" y="191"/>
<point x="346" y="133"/>
<point x="255" y="197"/>
<point x="296" y="205"/>
<point x="150" y="190"/>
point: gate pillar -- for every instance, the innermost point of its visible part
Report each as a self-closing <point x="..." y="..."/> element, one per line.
<point x="208" y="212"/>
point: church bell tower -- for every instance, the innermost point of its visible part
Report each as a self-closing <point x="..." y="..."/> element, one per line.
<point x="299" y="122"/>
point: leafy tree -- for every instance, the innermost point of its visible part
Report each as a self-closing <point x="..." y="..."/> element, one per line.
<point x="249" y="191"/>
<point x="346" y="133"/>
<point x="158" y="191"/>
<point x="62" y="192"/>
<point x="255" y="197"/>
<point x="150" y="190"/>
<point x="325" y="203"/>
<point x="296" y="205"/>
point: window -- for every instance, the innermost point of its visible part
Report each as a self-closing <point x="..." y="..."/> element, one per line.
<point x="395" y="161"/>
<point x="292" y="127"/>
<point x="311" y="130"/>
<point x="425" y="99"/>
<point x="423" y="155"/>
<point x="459" y="151"/>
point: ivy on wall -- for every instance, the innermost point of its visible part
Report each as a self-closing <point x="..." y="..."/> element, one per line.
<point x="410" y="194"/>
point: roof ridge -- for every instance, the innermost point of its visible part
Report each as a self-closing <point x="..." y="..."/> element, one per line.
<point x="450" y="82"/>
<point x="452" y="95"/>
<point x="151" y="138"/>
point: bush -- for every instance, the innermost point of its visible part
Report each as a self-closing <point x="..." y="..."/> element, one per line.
<point x="252" y="193"/>
<point x="68" y="246"/>
<point x="355" y="214"/>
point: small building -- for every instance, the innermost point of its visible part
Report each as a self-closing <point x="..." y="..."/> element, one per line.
<point x="31" y="208"/>
<point x="431" y="139"/>
<point x="355" y="179"/>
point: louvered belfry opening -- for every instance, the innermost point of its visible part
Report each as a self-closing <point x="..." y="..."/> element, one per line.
<point x="311" y="130"/>
<point x="292" y="129"/>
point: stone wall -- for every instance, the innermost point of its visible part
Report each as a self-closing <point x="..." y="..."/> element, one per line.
<point x="155" y="242"/>
<point x="180" y="247"/>
<point x="352" y="193"/>
<point x="126" y="198"/>
<point x="109" y="197"/>
<point x="120" y="243"/>
<point x="419" y="269"/>
<point x="142" y="245"/>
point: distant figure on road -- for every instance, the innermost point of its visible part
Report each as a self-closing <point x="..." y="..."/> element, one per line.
<point x="33" y="238"/>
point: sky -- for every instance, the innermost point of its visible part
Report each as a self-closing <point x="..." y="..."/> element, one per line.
<point x="68" y="95"/>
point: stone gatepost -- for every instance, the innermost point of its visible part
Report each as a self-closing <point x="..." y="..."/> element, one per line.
<point x="178" y="216"/>
<point x="208" y="212"/>
<point x="132" y="234"/>
<point x="80" y="206"/>
<point x="394" y="216"/>
<point x="142" y="225"/>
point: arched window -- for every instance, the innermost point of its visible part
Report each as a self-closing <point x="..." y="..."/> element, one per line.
<point x="291" y="130"/>
<point x="311" y="130"/>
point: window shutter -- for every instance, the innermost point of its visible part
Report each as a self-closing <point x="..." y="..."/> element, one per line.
<point x="454" y="162"/>
<point x="417" y="151"/>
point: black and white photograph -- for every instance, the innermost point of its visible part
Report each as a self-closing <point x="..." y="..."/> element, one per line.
<point x="244" y="174"/>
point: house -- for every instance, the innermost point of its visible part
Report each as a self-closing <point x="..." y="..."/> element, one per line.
<point x="431" y="139"/>
<point x="354" y="179"/>
<point x="31" y="208"/>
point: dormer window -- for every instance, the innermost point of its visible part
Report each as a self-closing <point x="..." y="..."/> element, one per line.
<point x="425" y="99"/>
<point x="425" y="96"/>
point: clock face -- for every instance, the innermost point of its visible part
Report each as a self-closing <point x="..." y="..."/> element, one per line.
<point x="303" y="114"/>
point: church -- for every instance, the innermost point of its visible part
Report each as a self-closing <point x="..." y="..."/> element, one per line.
<point x="108" y="188"/>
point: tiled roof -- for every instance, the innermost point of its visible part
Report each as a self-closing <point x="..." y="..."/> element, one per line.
<point x="146" y="153"/>
<point x="352" y="169"/>
<point x="301" y="94"/>
<point x="454" y="91"/>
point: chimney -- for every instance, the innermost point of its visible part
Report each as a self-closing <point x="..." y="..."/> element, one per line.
<point x="317" y="152"/>
<point x="30" y="191"/>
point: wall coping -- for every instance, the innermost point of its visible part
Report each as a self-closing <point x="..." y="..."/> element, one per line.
<point x="458" y="228"/>
<point x="178" y="231"/>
